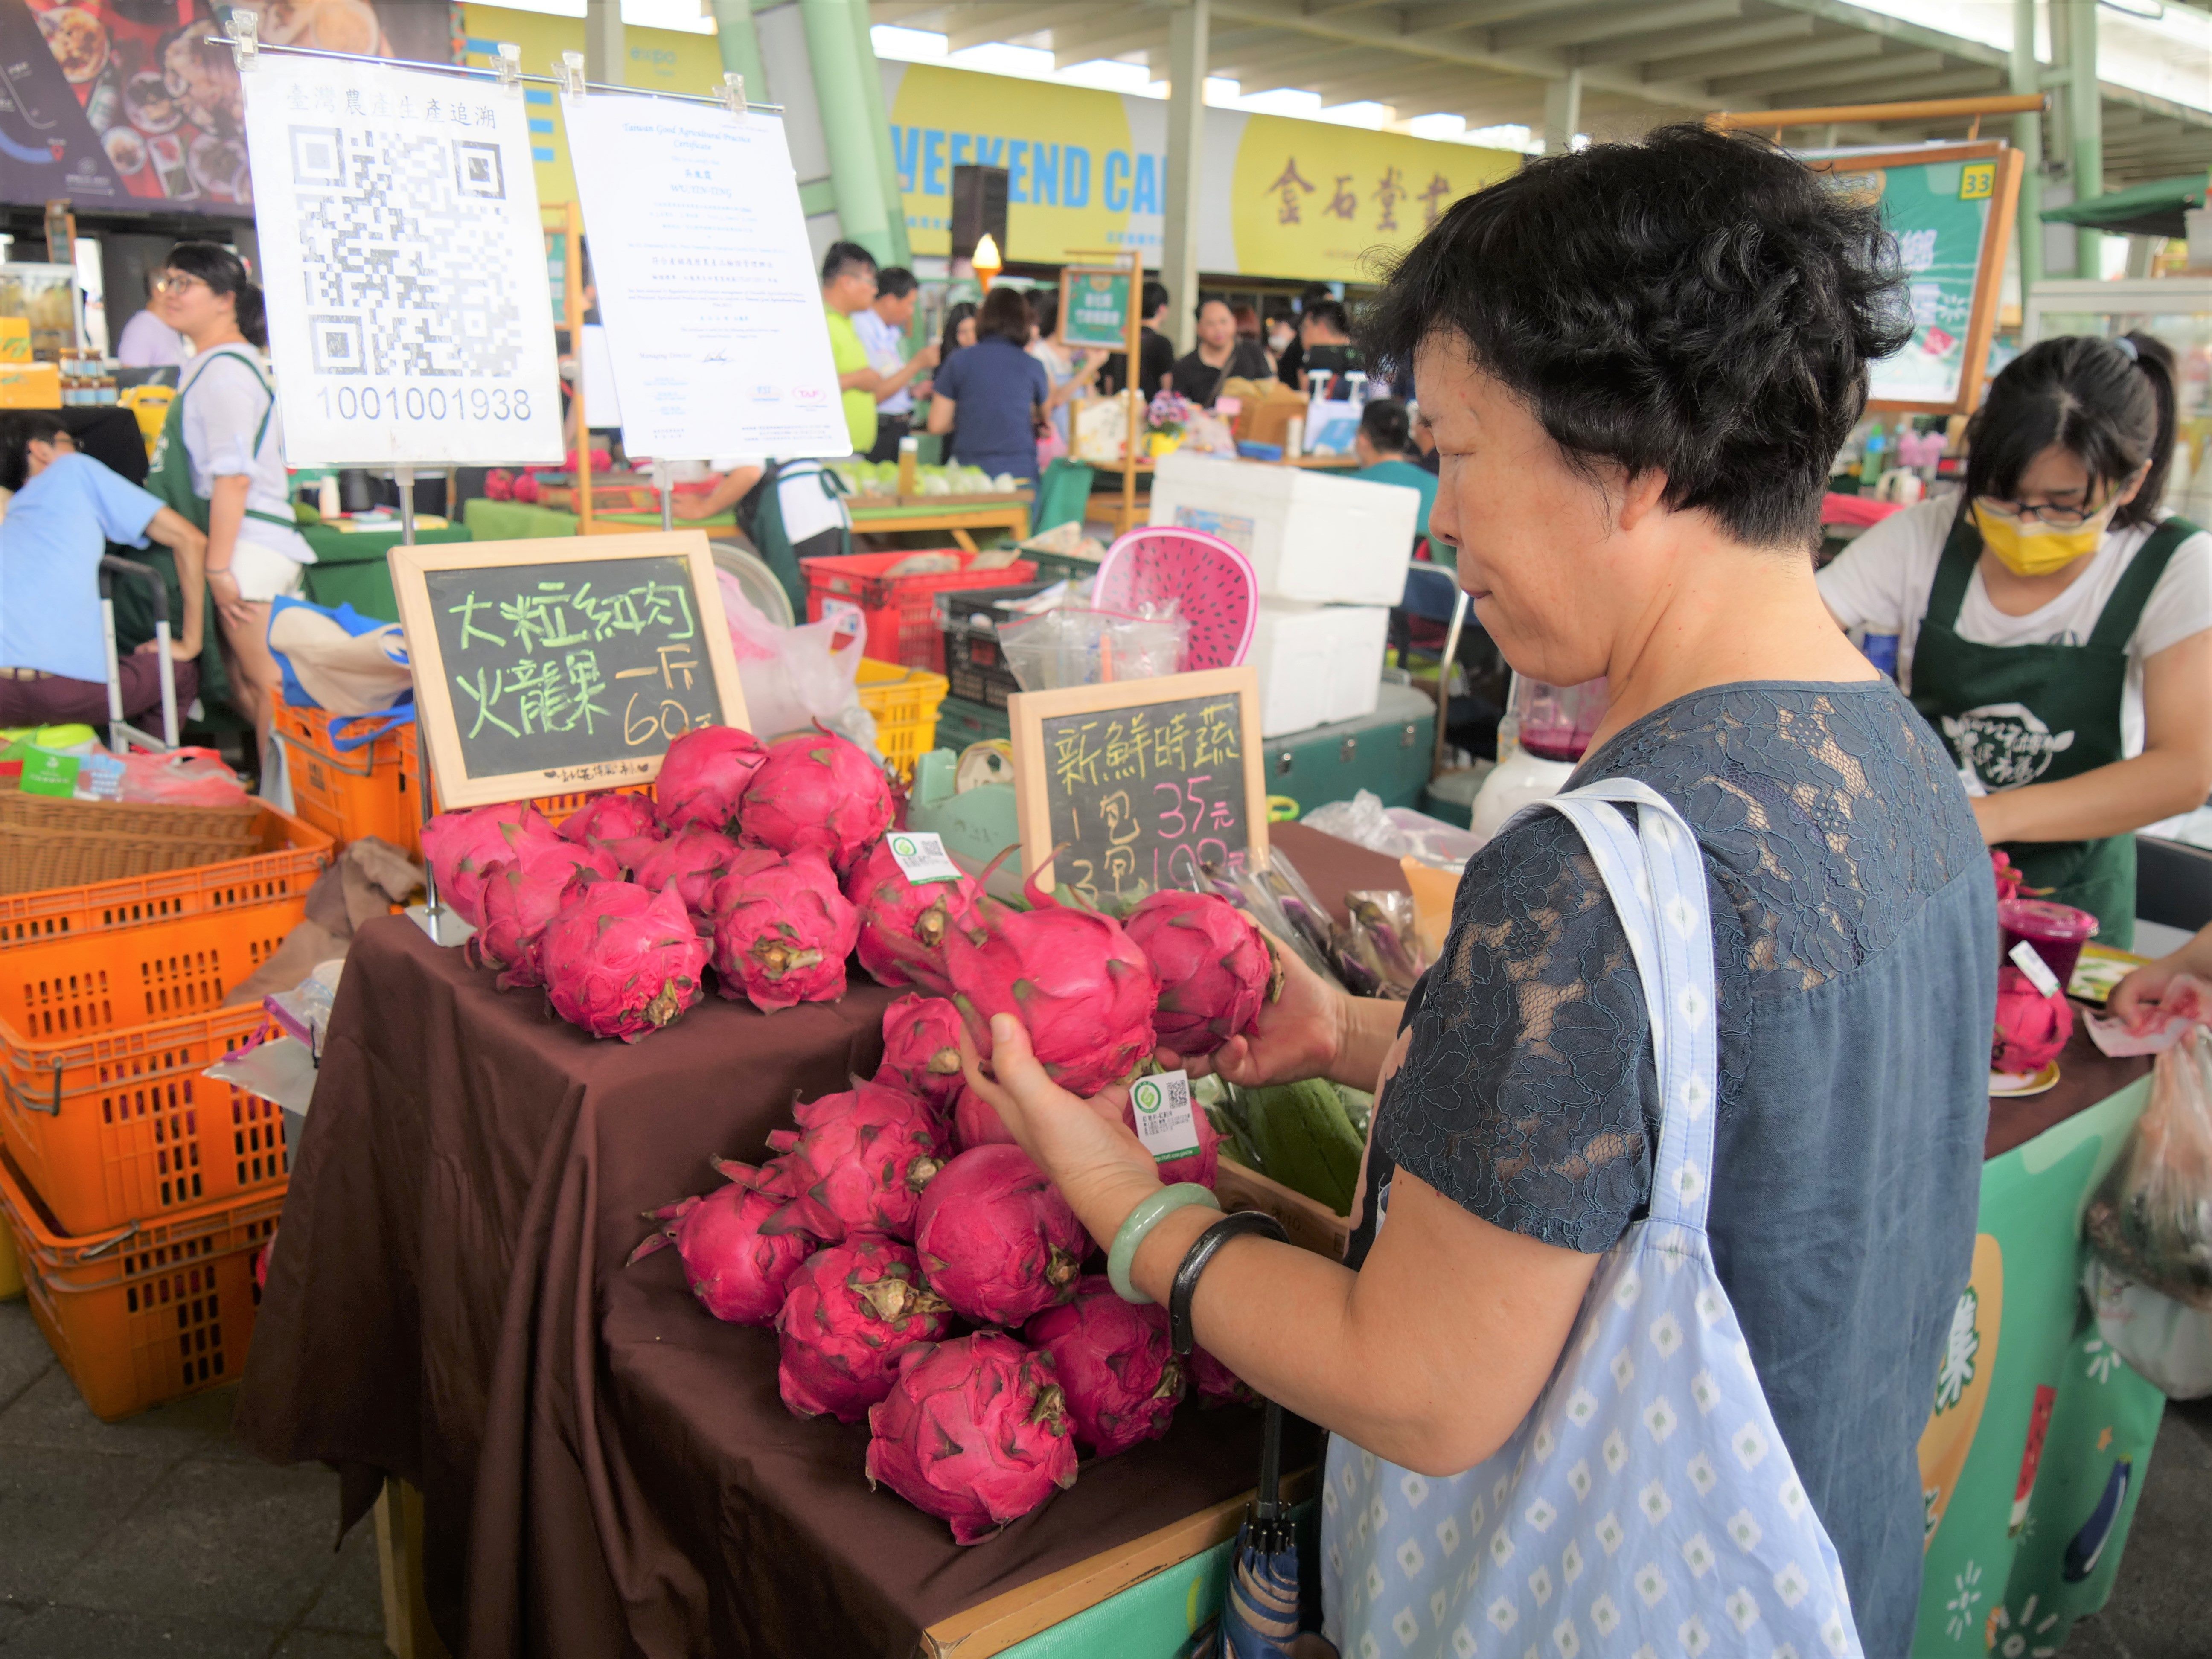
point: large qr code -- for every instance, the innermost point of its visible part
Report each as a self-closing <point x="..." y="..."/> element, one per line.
<point x="393" y="229"/>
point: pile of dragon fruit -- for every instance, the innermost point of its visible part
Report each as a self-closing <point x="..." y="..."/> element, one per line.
<point x="919" y="1270"/>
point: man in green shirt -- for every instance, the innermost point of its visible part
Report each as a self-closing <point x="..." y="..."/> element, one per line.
<point x="848" y="285"/>
<point x="1382" y="443"/>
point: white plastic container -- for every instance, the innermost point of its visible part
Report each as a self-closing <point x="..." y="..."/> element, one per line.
<point x="1310" y="536"/>
<point x="1317" y="663"/>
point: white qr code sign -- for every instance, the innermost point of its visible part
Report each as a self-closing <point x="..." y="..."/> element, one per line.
<point x="411" y="322"/>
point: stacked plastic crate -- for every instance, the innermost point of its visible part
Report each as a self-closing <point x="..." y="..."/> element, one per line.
<point x="136" y="1189"/>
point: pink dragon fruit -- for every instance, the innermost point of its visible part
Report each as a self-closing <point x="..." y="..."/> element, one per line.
<point x="740" y="1245"/>
<point x="620" y="961"/>
<point x="976" y="1122"/>
<point x="1202" y="1165"/>
<point x="623" y="825"/>
<point x="520" y="895"/>
<point x="974" y="1431"/>
<point x="921" y="1047"/>
<point x="2031" y="1028"/>
<point x="903" y="924"/>
<point x="1115" y="1363"/>
<point x="695" y="857"/>
<point x="865" y="1155"/>
<point x="847" y="1315"/>
<point x="1074" y="978"/>
<point x="703" y="776"/>
<point x="1214" y="1383"/>
<point x="782" y="931"/>
<point x="460" y="846"/>
<point x="817" y="791"/>
<point x="997" y="1240"/>
<point x="1213" y="966"/>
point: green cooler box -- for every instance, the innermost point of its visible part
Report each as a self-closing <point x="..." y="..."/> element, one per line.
<point x="1387" y="752"/>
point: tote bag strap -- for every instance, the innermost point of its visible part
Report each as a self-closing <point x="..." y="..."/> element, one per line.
<point x="1655" y="877"/>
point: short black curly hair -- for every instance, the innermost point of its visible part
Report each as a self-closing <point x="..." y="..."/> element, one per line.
<point x="1698" y="304"/>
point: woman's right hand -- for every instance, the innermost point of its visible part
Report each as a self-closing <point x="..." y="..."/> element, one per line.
<point x="1298" y="1036"/>
<point x="2148" y="983"/>
<point x="229" y="602"/>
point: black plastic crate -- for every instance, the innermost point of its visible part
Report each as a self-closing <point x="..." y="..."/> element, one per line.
<point x="967" y="618"/>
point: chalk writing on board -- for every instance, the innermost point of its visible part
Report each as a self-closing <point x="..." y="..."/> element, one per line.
<point x="1141" y="797"/>
<point x="568" y="668"/>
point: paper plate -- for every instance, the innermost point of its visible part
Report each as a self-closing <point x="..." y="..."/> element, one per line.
<point x="2015" y="1085"/>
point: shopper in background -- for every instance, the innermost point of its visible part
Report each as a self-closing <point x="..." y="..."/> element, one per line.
<point x="959" y="331"/>
<point x="1071" y="371"/>
<point x="1385" y="436"/>
<point x="66" y="508"/>
<point x="1639" y="362"/>
<point x="147" y="342"/>
<point x="1291" y="358"/>
<point x="2057" y="621"/>
<point x="1282" y="336"/>
<point x="991" y="396"/>
<point x="1220" y="355"/>
<point x="1155" y="351"/>
<point x="848" y="287"/>
<point x="220" y="462"/>
<point x="1325" y="339"/>
<point x="882" y="327"/>
<point x="1247" y="326"/>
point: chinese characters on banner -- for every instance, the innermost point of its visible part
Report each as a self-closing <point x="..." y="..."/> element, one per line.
<point x="1142" y="796"/>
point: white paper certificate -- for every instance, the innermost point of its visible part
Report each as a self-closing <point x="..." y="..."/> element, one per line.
<point x="410" y="322"/>
<point x="706" y="280"/>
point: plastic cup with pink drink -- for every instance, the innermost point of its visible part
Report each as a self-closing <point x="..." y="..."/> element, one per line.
<point x="2057" y="932"/>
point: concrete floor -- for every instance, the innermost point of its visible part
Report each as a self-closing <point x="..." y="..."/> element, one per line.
<point x="161" y="1536"/>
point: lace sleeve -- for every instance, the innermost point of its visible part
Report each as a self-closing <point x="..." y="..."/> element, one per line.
<point x="1522" y="1098"/>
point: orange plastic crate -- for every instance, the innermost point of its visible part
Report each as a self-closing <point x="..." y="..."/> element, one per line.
<point x="102" y="1043"/>
<point x="151" y="1311"/>
<point x="900" y="611"/>
<point x="351" y="794"/>
<point x="294" y="853"/>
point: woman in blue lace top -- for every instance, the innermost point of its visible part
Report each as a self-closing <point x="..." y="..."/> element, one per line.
<point x="1637" y="362"/>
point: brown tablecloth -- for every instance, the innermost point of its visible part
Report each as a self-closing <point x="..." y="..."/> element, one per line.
<point x="449" y="1304"/>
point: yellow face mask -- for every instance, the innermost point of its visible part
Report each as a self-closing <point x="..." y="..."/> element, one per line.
<point x="2031" y="548"/>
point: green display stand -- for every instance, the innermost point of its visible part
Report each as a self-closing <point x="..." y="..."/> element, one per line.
<point x="1154" y="1618"/>
<point x="350" y="566"/>
<point x="517" y="521"/>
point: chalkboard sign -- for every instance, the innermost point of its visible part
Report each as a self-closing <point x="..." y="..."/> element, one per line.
<point x="1140" y="781"/>
<point x="1950" y="208"/>
<point x="546" y="667"/>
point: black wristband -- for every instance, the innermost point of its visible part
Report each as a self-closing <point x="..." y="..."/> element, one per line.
<point x="1199" y="1254"/>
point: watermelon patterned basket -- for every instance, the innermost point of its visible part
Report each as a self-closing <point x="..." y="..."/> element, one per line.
<point x="1209" y="582"/>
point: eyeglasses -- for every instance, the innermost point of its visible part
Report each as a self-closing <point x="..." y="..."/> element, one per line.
<point x="2057" y="517"/>
<point x="175" y="282"/>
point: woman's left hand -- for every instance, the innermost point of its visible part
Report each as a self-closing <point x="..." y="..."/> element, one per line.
<point x="1100" y="1166"/>
<point x="230" y="602"/>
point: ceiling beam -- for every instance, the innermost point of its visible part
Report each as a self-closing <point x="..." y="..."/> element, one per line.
<point x="1105" y="34"/>
<point x="979" y="26"/>
<point x="1611" y="22"/>
<point x="1326" y="8"/>
<point x="1416" y="93"/>
<point x="1280" y="51"/>
<point x="900" y="12"/>
<point x="1306" y="74"/>
<point x="1873" y="66"/>
<point x="1821" y="49"/>
<point x="1650" y="49"/>
<point x="1956" y="83"/>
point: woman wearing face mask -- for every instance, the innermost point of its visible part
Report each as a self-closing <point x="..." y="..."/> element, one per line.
<point x="2056" y="626"/>
<point x="220" y="462"/>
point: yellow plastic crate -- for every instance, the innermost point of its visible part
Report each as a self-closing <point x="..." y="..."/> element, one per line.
<point x="905" y="703"/>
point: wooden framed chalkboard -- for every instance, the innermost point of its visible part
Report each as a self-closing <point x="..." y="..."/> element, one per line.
<point x="1141" y="781"/>
<point x="545" y="668"/>
<point x="1950" y="208"/>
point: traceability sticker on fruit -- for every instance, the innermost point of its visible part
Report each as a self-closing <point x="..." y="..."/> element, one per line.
<point x="1162" y="1111"/>
<point x="923" y="858"/>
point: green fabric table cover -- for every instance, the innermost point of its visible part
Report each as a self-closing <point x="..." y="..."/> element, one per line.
<point x="349" y="567"/>
<point x="515" y="521"/>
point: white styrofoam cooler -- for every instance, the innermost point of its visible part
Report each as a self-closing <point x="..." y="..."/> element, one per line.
<point x="1310" y="536"/>
<point x="1317" y="663"/>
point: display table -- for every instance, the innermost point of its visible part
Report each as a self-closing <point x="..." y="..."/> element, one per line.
<point x="349" y="567"/>
<point x="449" y="1305"/>
<point x="495" y="521"/>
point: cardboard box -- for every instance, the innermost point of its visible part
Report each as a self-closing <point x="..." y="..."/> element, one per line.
<point x="30" y="386"/>
<point x="1317" y="663"/>
<point x="1310" y="536"/>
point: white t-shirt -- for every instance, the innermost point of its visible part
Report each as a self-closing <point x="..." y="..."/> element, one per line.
<point x="883" y="343"/>
<point x="808" y="509"/>
<point x="1879" y="584"/>
<point x="223" y="407"/>
<point x="149" y="343"/>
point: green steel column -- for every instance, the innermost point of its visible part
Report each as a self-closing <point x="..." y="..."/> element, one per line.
<point x="2028" y="139"/>
<point x="2086" y="110"/>
<point x="740" y="47"/>
<point x="863" y="203"/>
<point x="872" y="90"/>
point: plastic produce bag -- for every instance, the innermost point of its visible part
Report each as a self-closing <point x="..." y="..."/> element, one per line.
<point x="182" y="777"/>
<point x="1378" y="953"/>
<point x="2152" y="1217"/>
<point x="2168" y="1343"/>
<point x="1399" y="831"/>
<point x="795" y="676"/>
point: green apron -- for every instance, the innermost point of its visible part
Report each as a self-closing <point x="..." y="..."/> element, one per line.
<point x="2017" y="714"/>
<point x="169" y="477"/>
